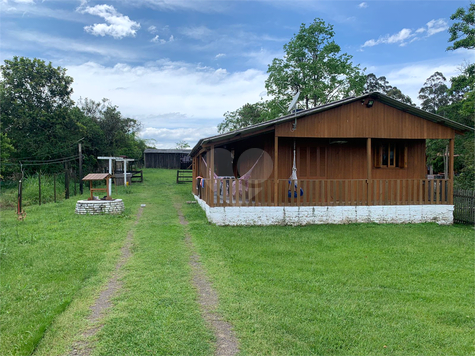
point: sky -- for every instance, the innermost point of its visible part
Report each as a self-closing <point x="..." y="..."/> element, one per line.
<point x="178" y="65"/>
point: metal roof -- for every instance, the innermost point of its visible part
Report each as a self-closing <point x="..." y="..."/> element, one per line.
<point x="97" y="176"/>
<point x="374" y="95"/>
<point x="155" y="150"/>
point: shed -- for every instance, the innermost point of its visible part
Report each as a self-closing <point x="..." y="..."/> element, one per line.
<point x="360" y="159"/>
<point x="167" y="158"/>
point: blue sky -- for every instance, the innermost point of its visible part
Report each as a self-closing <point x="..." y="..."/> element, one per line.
<point x="179" y="65"/>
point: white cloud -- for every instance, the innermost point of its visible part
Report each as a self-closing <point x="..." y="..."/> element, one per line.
<point x="152" y="29"/>
<point x="399" y="37"/>
<point x="157" y="39"/>
<point x="409" y="77"/>
<point x="436" y="26"/>
<point x="167" y="138"/>
<point x="28" y="40"/>
<point x="120" y="26"/>
<point x="197" y="96"/>
<point x="206" y="6"/>
<point x="198" y="32"/>
<point x="363" y="5"/>
<point x="220" y="55"/>
<point x="406" y="35"/>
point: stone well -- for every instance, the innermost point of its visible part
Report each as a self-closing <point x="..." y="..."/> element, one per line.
<point x="97" y="207"/>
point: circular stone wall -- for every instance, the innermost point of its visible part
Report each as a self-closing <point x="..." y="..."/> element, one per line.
<point x="97" y="207"/>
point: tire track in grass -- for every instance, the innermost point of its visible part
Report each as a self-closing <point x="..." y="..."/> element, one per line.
<point x="226" y="342"/>
<point x="104" y="301"/>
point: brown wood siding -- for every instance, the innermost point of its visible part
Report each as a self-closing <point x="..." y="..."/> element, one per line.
<point x="346" y="161"/>
<point x="356" y="120"/>
<point x="246" y="153"/>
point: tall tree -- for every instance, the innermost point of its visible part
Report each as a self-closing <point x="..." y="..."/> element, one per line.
<point x="35" y="101"/>
<point x="462" y="32"/>
<point x="374" y="83"/>
<point x="248" y="114"/>
<point x="382" y="85"/>
<point x="314" y="65"/>
<point x="434" y="93"/>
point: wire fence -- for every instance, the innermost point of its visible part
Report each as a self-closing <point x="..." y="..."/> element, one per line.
<point x="464" y="206"/>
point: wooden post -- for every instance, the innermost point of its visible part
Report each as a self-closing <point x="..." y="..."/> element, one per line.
<point x="39" y="187"/>
<point x="66" y="181"/>
<point x="81" y="186"/>
<point x="54" y="187"/>
<point x="20" y="197"/>
<point x="451" y="171"/>
<point x="368" y="168"/>
<point x="276" y="168"/>
<point x="211" y="178"/>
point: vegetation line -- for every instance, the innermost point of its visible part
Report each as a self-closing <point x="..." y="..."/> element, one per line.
<point x="104" y="301"/>
<point x="226" y="342"/>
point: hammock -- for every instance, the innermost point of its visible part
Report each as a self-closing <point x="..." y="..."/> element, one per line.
<point x="244" y="178"/>
<point x="293" y="180"/>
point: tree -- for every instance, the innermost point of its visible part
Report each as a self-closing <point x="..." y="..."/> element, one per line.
<point x="374" y="83"/>
<point x="182" y="145"/>
<point x="434" y="93"/>
<point x="382" y="85"/>
<point x="246" y="115"/>
<point x="462" y="33"/>
<point x="114" y="134"/>
<point x="35" y="101"/>
<point x="313" y="64"/>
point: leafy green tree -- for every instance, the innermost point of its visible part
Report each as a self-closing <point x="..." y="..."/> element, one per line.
<point x="35" y="100"/>
<point x="246" y="115"/>
<point x="182" y="145"/>
<point x="462" y="32"/>
<point x="313" y="65"/>
<point x="113" y="135"/>
<point x="382" y="85"/>
<point x="434" y="93"/>
<point x="374" y="83"/>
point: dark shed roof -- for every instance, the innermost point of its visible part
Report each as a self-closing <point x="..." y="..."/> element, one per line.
<point x="155" y="150"/>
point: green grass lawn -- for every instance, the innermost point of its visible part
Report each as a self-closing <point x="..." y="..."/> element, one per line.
<point x="54" y="264"/>
<point x="343" y="290"/>
<point x="321" y="290"/>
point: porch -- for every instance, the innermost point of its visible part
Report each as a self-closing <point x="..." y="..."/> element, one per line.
<point x="229" y="192"/>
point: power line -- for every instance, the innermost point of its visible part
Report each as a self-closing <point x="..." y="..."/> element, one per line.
<point x="45" y="163"/>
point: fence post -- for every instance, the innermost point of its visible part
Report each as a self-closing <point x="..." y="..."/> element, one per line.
<point x="75" y="183"/>
<point x="81" y="187"/>
<point x="66" y="182"/>
<point x="39" y="187"/>
<point x="54" y="186"/>
<point x="20" y="191"/>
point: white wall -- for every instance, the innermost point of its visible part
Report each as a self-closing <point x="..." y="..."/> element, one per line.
<point x="305" y="215"/>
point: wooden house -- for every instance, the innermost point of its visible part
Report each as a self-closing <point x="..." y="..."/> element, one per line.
<point x="361" y="159"/>
<point x="167" y="158"/>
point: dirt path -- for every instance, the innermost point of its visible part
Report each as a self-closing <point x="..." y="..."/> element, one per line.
<point x="226" y="342"/>
<point x="104" y="301"/>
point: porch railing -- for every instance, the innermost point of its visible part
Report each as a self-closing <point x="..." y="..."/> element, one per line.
<point x="327" y="192"/>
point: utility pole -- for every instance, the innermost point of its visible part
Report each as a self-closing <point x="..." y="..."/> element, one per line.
<point x="81" y="187"/>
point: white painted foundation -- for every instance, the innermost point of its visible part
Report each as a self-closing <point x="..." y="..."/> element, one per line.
<point x="309" y="215"/>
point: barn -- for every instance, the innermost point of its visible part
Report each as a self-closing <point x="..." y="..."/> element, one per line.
<point x="360" y="159"/>
<point x="167" y="158"/>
